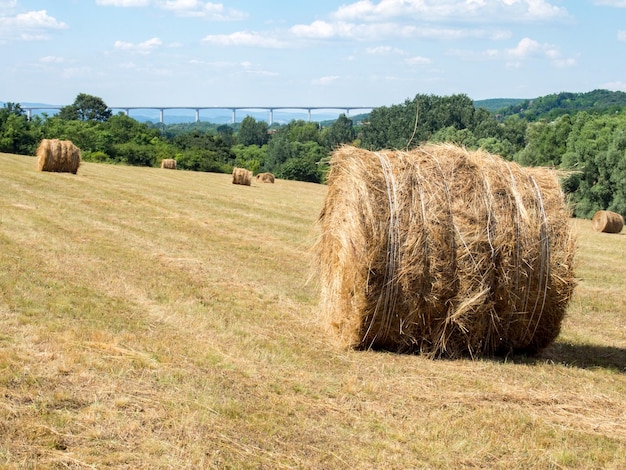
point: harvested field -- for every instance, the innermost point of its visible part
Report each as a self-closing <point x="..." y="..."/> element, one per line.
<point x="164" y="320"/>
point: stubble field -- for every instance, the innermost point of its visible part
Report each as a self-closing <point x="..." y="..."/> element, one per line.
<point x="165" y="319"/>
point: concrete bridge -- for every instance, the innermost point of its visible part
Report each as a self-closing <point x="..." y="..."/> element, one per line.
<point x="270" y="109"/>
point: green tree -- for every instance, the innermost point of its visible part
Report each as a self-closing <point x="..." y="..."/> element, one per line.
<point x="16" y="132"/>
<point x="251" y="157"/>
<point x="462" y="137"/>
<point x="304" y="162"/>
<point x="595" y="155"/>
<point x="546" y="142"/>
<point x="340" y="132"/>
<point x="85" y="108"/>
<point x="252" y="132"/>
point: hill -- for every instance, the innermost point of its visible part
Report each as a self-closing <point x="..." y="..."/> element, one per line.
<point x="552" y="106"/>
<point x="496" y="104"/>
<point x="163" y="319"/>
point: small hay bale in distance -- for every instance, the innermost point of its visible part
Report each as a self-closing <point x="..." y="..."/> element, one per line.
<point x="607" y="222"/>
<point x="242" y="176"/>
<point x="265" y="178"/>
<point x="168" y="163"/>
<point x="58" y="156"/>
<point x="444" y="252"/>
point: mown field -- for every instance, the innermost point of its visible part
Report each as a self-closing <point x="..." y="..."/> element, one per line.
<point x="165" y="319"/>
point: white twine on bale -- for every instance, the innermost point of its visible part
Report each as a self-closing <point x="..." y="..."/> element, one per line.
<point x="389" y="294"/>
<point x="544" y="268"/>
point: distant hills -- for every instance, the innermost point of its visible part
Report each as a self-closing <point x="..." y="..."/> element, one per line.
<point x="496" y="104"/>
<point x="550" y="107"/>
<point x="545" y="107"/>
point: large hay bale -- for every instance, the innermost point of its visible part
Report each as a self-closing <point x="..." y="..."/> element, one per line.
<point x="444" y="252"/>
<point x="265" y="178"/>
<point x="58" y="155"/>
<point x="242" y="176"/>
<point x="607" y="222"/>
<point x="168" y="163"/>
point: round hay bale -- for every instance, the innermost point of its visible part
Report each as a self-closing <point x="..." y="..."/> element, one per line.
<point x="58" y="155"/>
<point x="242" y="176"/>
<point x="607" y="222"/>
<point x="265" y="178"/>
<point x="168" y="163"/>
<point x="444" y="252"/>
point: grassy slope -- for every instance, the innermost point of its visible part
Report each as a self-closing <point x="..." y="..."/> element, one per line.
<point x="162" y="319"/>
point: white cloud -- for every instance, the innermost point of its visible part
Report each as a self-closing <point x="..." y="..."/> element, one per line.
<point x="191" y="8"/>
<point x="621" y="35"/>
<point x="371" y="31"/>
<point x="612" y="3"/>
<point x="209" y="10"/>
<point x="29" y="26"/>
<point x="418" y="60"/>
<point x="615" y="86"/>
<point x="245" y="38"/>
<point x="51" y="59"/>
<point x="123" y="3"/>
<point x="525" y="48"/>
<point x="515" y="57"/>
<point x="144" y="47"/>
<point x="325" y="81"/>
<point x="439" y="10"/>
<point x="384" y="50"/>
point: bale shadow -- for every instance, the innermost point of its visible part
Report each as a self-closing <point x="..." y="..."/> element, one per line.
<point x="583" y="356"/>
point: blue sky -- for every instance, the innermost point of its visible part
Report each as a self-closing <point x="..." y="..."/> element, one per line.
<point x="306" y="53"/>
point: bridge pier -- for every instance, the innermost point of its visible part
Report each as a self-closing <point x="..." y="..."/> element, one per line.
<point x="161" y="115"/>
<point x="271" y="120"/>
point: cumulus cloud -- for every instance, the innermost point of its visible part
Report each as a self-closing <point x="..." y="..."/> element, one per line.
<point x="51" y="59"/>
<point x="615" y="86"/>
<point x="325" y="81"/>
<point x="611" y="3"/>
<point x="245" y="38"/>
<point x="384" y="50"/>
<point x="371" y="31"/>
<point x="32" y="25"/>
<point x="515" y="57"/>
<point x="418" y="60"/>
<point x="144" y="47"/>
<point x="192" y="8"/>
<point x="123" y="3"/>
<point x="464" y="10"/>
<point x="209" y="10"/>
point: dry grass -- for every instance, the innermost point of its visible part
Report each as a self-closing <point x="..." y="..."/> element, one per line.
<point x="163" y="320"/>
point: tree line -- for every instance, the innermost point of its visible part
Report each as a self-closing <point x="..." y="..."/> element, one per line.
<point x="588" y="143"/>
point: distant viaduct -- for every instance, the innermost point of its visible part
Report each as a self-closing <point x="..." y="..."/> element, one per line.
<point x="197" y="109"/>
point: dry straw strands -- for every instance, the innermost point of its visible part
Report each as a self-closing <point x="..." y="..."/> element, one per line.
<point x="607" y="222"/>
<point x="265" y="178"/>
<point x="168" y="163"/>
<point x="242" y="176"/>
<point x="58" y="155"/>
<point x="444" y="252"/>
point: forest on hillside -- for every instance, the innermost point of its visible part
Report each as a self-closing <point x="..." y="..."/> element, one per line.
<point x="581" y="133"/>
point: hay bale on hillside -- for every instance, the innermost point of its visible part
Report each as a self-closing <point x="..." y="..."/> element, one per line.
<point x="168" y="163"/>
<point x="242" y="176"/>
<point x="607" y="222"/>
<point x="58" y="155"/>
<point x="444" y="252"/>
<point x="265" y="178"/>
